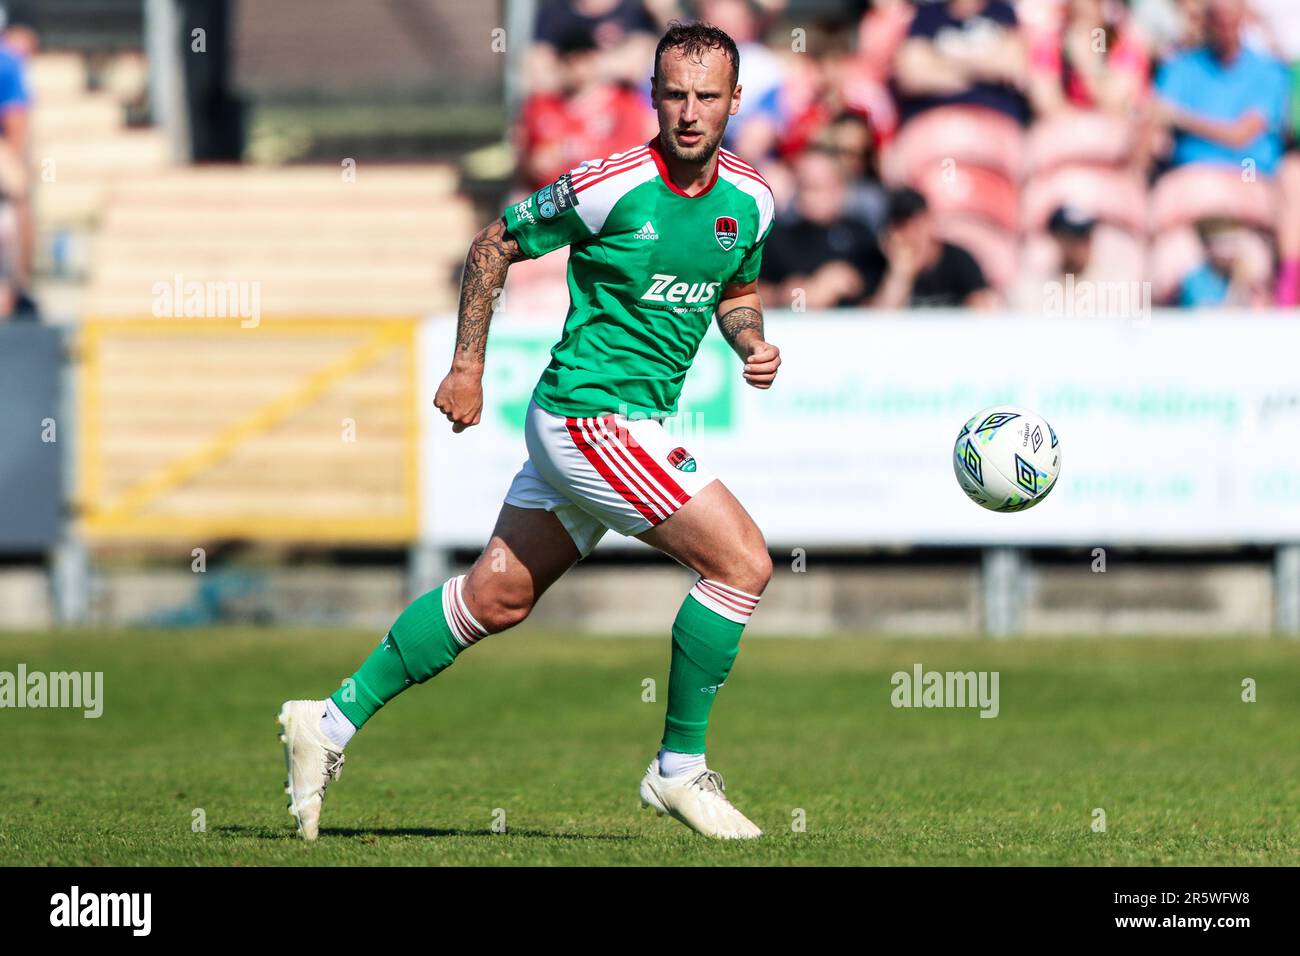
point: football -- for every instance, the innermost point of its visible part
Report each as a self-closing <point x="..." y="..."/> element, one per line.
<point x="1007" y="458"/>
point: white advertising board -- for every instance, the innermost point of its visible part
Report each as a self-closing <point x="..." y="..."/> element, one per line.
<point x="1178" y="429"/>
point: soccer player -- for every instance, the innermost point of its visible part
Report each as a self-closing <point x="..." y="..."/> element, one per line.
<point x="662" y="238"/>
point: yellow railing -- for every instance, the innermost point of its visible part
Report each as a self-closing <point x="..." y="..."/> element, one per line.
<point x="295" y="430"/>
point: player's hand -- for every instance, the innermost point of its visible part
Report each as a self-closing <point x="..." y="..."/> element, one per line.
<point x="460" y="398"/>
<point x="761" y="364"/>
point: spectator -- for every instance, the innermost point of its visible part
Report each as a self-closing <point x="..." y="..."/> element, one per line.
<point x="1223" y="102"/>
<point x="1225" y="105"/>
<point x="586" y="117"/>
<point x="853" y="141"/>
<point x="921" y="269"/>
<point x="963" y="52"/>
<point x="1097" y="61"/>
<point x="1277" y="30"/>
<point x="1235" y="271"/>
<point x="622" y="32"/>
<point x="18" y="22"/>
<point x="820" y="258"/>
<point x="1075" y="253"/>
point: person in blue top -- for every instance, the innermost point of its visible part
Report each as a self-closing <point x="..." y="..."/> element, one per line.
<point x="15" y="175"/>
<point x="1224" y="102"/>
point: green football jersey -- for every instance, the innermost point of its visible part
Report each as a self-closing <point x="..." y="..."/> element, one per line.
<point x="647" y="266"/>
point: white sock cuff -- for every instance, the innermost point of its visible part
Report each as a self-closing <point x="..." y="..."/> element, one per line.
<point x="732" y="603"/>
<point x="674" y="764"/>
<point x="464" y="628"/>
<point x="335" y="724"/>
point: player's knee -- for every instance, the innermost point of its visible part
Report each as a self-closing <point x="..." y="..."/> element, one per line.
<point x="499" y="609"/>
<point x="758" y="569"/>
<point x="750" y="570"/>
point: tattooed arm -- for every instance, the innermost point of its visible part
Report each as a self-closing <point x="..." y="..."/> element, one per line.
<point x="740" y="320"/>
<point x="460" y="396"/>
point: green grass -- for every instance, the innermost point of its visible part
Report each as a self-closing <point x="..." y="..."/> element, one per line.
<point x="553" y="731"/>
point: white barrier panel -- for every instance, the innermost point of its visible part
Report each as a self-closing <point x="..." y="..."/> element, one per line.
<point x="1174" y="430"/>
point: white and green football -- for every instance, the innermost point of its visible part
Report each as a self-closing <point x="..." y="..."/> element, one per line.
<point x="1007" y="458"/>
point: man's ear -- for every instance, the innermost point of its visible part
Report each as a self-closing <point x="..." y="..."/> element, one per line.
<point x="735" y="101"/>
<point x="654" y="93"/>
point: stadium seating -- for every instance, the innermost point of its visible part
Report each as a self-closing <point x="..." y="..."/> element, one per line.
<point x="1190" y="193"/>
<point x="386" y="244"/>
<point x="966" y="135"/>
<point x="1112" y="195"/>
<point x="114" y="208"/>
<point x="1075" y="137"/>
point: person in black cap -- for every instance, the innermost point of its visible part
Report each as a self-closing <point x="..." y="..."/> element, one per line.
<point x="1072" y="228"/>
<point x="1042" y="287"/>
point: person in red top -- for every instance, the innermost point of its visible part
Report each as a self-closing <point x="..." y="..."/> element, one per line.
<point x="587" y="117"/>
<point x="1097" y="60"/>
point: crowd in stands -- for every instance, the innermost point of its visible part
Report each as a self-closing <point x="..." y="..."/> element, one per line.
<point x="972" y="152"/>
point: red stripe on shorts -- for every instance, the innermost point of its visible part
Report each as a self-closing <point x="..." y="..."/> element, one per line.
<point x="614" y="481"/>
<point x="651" y="466"/>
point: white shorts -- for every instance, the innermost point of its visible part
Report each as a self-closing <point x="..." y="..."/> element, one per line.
<point x="604" y="472"/>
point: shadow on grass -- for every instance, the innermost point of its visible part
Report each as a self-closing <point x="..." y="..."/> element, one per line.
<point x="289" y="833"/>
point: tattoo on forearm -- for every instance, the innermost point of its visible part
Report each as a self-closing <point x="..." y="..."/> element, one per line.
<point x="738" y="320"/>
<point x="490" y="256"/>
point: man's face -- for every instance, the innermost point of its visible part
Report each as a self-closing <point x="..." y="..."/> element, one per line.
<point x="1075" y="249"/>
<point x="819" y="188"/>
<point x="693" y="99"/>
<point x="1223" y="24"/>
<point x="918" y="231"/>
<point x="852" y="142"/>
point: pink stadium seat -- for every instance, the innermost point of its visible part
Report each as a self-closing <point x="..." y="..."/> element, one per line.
<point x="1079" y="137"/>
<point x="966" y="135"/>
<point x="1111" y="195"/>
<point x="994" y="248"/>
<point x="963" y="190"/>
<point x="1189" y="193"/>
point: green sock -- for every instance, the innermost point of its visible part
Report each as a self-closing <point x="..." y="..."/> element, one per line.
<point x="421" y="644"/>
<point x="705" y="643"/>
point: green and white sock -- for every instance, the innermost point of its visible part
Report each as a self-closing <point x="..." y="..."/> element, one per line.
<point x="423" y="642"/>
<point x="706" y="639"/>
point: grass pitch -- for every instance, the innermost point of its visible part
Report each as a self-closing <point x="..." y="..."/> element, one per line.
<point x="552" y="733"/>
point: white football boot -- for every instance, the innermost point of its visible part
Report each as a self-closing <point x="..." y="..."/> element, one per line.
<point x="699" y="800"/>
<point x="311" y="760"/>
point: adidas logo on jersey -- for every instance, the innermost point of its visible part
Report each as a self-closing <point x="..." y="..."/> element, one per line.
<point x="646" y="232"/>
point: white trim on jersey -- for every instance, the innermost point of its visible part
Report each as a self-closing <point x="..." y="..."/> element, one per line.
<point x="745" y="178"/>
<point x="599" y="184"/>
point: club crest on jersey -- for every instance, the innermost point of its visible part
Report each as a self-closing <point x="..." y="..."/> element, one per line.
<point x="726" y="230"/>
<point x="681" y="459"/>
